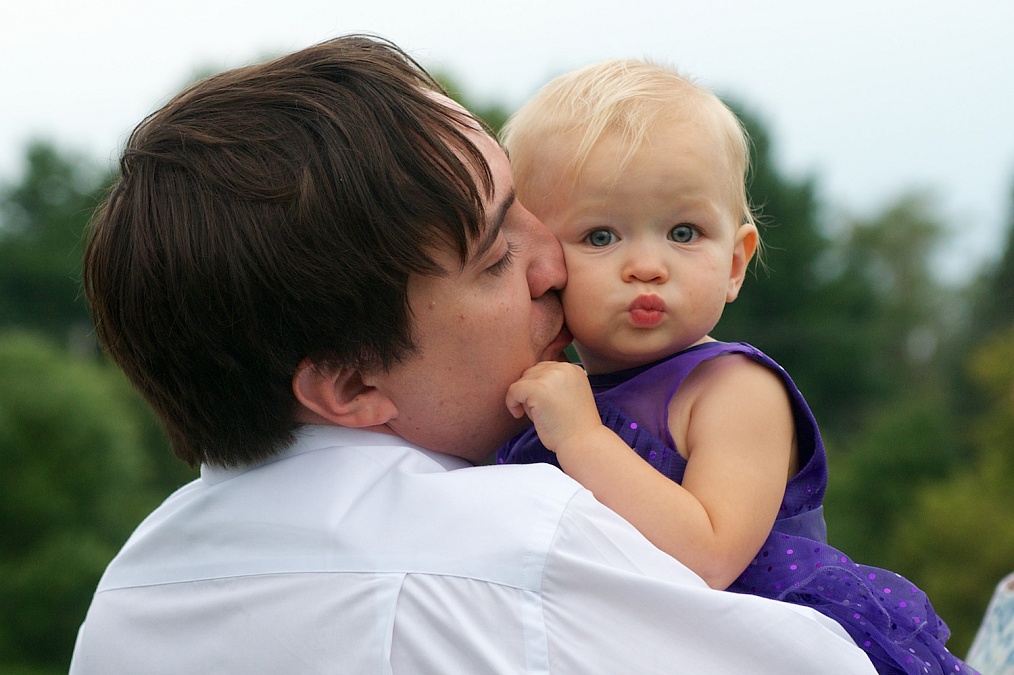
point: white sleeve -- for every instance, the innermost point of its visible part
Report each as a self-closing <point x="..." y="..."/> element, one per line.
<point x="613" y="603"/>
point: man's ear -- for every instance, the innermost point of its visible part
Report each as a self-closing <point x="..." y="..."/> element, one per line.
<point x="340" y="396"/>
<point x="747" y="239"/>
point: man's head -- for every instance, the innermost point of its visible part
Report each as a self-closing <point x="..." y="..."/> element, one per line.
<point x="476" y="329"/>
<point x="272" y="220"/>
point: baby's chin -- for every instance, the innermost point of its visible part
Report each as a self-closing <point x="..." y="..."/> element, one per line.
<point x="606" y="360"/>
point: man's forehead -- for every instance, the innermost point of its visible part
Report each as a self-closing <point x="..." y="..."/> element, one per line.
<point x="501" y="197"/>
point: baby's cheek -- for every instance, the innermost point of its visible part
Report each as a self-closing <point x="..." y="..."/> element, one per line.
<point x="585" y="292"/>
<point x="573" y="301"/>
<point x="582" y="315"/>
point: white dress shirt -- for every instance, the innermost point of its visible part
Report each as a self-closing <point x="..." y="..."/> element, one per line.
<point x="354" y="552"/>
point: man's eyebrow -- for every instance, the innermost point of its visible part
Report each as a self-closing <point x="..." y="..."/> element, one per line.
<point x="494" y="226"/>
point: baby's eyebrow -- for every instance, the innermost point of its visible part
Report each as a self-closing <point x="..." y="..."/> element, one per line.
<point x="494" y="226"/>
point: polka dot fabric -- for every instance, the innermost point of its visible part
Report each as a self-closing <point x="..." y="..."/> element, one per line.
<point x="886" y="615"/>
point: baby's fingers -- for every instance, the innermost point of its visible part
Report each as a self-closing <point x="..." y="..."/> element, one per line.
<point x="516" y="397"/>
<point x="536" y="383"/>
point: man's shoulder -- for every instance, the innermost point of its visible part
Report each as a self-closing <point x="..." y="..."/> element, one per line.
<point x="525" y="503"/>
<point x="527" y="482"/>
<point x="399" y="509"/>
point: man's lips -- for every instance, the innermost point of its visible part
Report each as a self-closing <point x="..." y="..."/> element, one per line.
<point x="559" y="343"/>
<point x="646" y="311"/>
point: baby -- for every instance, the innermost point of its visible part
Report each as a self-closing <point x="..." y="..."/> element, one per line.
<point x="706" y="447"/>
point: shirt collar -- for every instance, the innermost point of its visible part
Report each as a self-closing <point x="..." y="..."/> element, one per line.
<point x="312" y="437"/>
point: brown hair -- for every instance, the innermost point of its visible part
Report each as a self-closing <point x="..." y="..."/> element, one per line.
<point x="274" y="213"/>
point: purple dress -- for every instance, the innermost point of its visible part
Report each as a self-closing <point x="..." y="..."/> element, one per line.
<point x="885" y="614"/>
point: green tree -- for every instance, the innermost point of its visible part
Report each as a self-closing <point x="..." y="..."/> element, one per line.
<point x="926" y="490"/>
<point x="77" y="479"/>
<point x="42" y="219"/>
<point x="876" y="475"/>
<point x="796" y="309"/>
<point x="994" y="299"/>
<point x="892" y="253"/>
<point x="854" y="312"/>
<point x="991" y="302"/>
<point x="906" y="432"/>
<point x="959" y="539"/>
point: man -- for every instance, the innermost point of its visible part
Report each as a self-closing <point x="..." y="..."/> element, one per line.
<point x="317" y="274"/>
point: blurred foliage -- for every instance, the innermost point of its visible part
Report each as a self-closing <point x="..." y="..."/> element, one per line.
<point x="989" y="311"/>
<point x="919" y="434"/>
<point x="970" y="518"/>
<point x="874" y="482"/>
<point x="42" y="220"/>
<point x="784" y="311"/>
<point x="853" y="314"/>
<point x="77" y="479"/>
<point x="993" y="299"/>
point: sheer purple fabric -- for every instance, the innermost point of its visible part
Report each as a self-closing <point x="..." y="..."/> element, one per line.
<point x="887" y="615"/>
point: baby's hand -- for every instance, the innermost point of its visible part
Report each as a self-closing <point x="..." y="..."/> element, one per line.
<point x="557" y="398"/>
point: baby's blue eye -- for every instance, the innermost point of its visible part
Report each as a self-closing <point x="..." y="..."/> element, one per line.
<point x="682" y="234"/>
<point x="600" y="238"/>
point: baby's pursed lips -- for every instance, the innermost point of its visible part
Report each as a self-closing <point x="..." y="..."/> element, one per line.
<point x="647" y="302"/>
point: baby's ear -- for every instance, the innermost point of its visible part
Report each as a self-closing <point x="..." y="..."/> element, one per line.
<point x="340" y="396"/>
<point x="743" y="251"/>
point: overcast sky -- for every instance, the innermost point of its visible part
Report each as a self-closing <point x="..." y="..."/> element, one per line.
<point x="872" y="97"/>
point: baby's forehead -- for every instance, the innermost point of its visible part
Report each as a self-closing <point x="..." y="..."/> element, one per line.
<point x="569" y="151"/>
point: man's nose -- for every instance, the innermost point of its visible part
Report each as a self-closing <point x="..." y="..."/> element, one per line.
<point x="546" y="269"/>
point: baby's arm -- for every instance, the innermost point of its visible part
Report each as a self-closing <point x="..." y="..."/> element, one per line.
<point x="733" y="421"/>
<point x="736" y="424"/>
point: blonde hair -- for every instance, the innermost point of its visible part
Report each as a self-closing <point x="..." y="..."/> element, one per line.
<point x="622" y="96"/>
